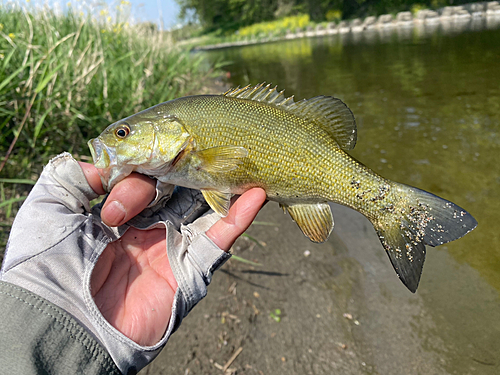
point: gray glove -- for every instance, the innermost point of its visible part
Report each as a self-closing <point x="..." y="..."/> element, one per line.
<point x="57" y="239"/>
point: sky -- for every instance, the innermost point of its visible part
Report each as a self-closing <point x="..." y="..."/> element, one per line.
<point x="151" y="10"/>
<point x="142" y="10"/>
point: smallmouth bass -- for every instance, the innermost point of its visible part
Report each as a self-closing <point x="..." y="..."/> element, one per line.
<point x="296" y="151"/>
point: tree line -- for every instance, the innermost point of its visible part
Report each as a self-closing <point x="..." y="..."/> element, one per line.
<point x="230" y="15"/>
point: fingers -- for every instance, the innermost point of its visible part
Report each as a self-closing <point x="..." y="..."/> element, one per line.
<point x="131" y="195"/>
<point x="128" y="198"/>
<point x="242" y="213"/>
<point x="92" y="177"/>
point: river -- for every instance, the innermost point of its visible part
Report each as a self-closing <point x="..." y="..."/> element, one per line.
<point x="427" y="107"/>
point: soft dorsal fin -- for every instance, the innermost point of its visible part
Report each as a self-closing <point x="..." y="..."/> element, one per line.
<point x="330" y="113"/>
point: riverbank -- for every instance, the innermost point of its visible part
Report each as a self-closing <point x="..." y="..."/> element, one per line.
<point x="452" y="18"/>
<point x="331" y="308"/>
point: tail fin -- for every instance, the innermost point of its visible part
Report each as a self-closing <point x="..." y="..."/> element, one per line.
<point x="416" y="219"/>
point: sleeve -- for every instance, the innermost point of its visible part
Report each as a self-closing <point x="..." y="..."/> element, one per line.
<point x="38" y="337"/>
<point x="57" y="239"/>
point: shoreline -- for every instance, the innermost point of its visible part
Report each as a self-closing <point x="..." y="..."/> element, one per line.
<point x="484" y="15"/>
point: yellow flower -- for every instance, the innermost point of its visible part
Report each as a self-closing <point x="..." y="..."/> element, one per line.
<point x="1" y="26"/>
<point x="1" y="56"/>
<point x="12" y="35"/>
<point x="103" y="12"/>
<point x="123" y="2"/>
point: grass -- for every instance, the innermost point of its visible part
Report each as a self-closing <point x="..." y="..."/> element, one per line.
<point x="65" y="77"/>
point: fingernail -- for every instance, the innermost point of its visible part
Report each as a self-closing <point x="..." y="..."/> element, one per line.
<point x="115" y="213"/>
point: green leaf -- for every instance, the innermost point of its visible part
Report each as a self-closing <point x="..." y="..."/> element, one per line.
<point x="7" y="59"/>
<point x="265" y="223"/>
<point x="46" y="80"/>
<point x="17" y="181"/>
<point x="11" y="201"/>
<point x="243" y="260"/>
<point x="6" y="81"/>
<point x="4" y="124"/>
<point x="131" y="53"/>
<point x="275" y="315"/>
<point x="39" y="124"/>
<point x="253" y="239"/>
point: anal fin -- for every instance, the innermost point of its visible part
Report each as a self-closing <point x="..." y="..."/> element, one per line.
<point x="218" y="201"/>
<point x="314" y="220"/>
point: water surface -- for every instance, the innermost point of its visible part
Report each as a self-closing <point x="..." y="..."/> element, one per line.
<point x="427" y="107"/>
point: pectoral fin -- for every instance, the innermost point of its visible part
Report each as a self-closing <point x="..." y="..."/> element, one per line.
<point x="222" y="158"/>
<point x="314" y="220"/>
<point x="218" y="201"/>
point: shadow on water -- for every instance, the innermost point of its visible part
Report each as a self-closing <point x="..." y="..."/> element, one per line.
<point x="428" y="112"/>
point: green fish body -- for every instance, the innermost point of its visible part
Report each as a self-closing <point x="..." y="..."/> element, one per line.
<point x="255" y="137"/>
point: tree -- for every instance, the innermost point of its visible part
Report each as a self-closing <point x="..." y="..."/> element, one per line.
<point x="228" y="14"/>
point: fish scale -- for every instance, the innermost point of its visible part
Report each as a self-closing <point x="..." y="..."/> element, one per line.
<point x="256" y="137"/>
<point x="270" y="138"/>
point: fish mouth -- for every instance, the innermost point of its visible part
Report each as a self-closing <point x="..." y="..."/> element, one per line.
<point x="104" y="159"/>
<point x="101" y="154"/>
<point x="106" y="162"/>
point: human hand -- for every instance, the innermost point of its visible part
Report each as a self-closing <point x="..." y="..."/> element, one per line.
<point x="132" y="283"/>
<point x="129" y="276"/>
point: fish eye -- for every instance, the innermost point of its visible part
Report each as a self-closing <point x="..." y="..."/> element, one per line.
<point x="122" y="131"/>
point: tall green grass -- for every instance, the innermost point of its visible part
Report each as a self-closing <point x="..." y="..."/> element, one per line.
<point x="65" y="77"/>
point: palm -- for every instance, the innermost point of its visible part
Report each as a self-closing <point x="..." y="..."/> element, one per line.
<point x="132" y="282"/>
<point x="124" y="278"/>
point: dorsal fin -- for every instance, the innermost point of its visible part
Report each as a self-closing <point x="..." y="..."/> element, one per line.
<point x="261" y="93"/>
<point x="330" y="113"/>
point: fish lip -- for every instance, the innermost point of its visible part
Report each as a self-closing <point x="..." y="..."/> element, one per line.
<point x="102" y="155"/>
<point x="95" y="150"/>
<point x="105" y="161"/>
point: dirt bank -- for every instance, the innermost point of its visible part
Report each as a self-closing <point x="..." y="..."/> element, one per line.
<point x="343" y="309"/>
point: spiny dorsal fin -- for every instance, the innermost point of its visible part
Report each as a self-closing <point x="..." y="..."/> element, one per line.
<point x="261" y="93"/>
<point x="331" y="114"/>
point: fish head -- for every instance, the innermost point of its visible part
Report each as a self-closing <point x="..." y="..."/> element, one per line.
<point x="145" y="142"/>
<point x="120" y="148"/>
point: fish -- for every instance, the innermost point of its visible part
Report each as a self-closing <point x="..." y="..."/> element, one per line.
<point x="296" y="151"/>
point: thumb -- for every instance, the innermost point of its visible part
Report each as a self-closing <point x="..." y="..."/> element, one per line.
<point x="240" y="216"/>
